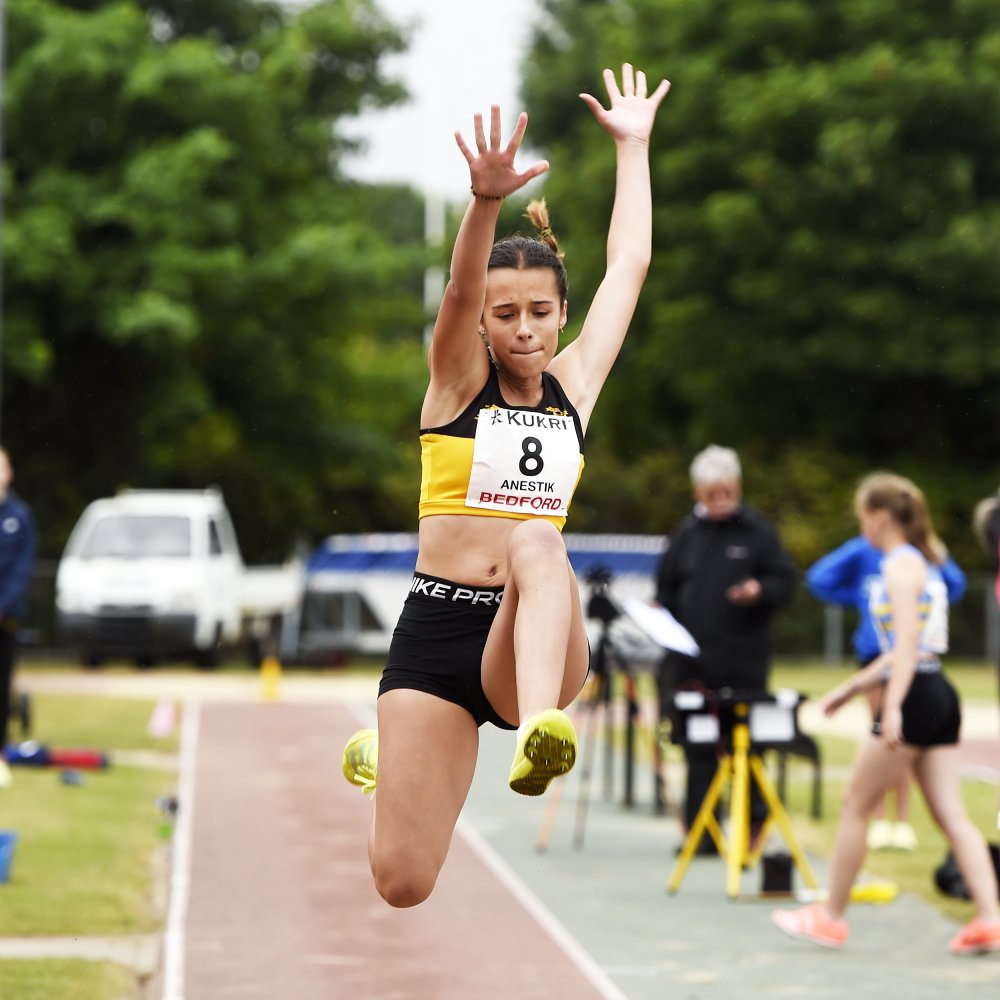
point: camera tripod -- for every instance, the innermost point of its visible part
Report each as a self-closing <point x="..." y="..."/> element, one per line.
<point x="735" y="771"/>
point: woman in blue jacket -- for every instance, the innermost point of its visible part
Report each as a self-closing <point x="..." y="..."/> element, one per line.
<point x="844" y="576"/>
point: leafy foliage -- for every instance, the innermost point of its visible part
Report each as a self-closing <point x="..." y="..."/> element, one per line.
<point x="195" y="294"/>
<point x="825" y="289"/>
<point x="192" y="289"/>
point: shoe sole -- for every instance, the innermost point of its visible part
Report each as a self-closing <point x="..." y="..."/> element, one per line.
<point x="550" y="754"/>
<point x="969" y="951"/>
<point x="822" y="942"/>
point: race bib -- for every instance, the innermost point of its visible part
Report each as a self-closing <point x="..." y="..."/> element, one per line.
<point x="524" y="462"/>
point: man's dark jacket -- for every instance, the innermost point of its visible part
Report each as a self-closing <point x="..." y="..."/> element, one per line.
<point x="702" y="560"/>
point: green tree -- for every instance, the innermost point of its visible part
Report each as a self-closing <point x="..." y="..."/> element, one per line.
<point x="194" y="293"/>
<point x="825" y="290"/>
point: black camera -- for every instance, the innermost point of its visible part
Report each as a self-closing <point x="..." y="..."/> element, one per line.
<point x="600" y="605"/>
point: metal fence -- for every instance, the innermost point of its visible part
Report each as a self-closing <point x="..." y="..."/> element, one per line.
<point x="809" y="628"/>
<point x="805" y="629"/>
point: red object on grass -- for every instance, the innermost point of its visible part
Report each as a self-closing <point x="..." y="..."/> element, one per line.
<point x="74" y="757"/>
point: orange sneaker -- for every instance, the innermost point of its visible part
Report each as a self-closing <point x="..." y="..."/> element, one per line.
<point x="976" y="938"/>
<point x="812" y="923"/>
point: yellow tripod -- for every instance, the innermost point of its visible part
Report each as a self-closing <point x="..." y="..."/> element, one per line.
<point x="737" y="768"/>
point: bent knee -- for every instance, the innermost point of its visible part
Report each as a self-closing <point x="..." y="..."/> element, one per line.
<point x="538" y="536"/>
<point x="403" y="891"/>
<point x="403" y="885"/>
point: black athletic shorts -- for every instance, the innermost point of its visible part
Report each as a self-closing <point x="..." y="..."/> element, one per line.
<point x="932" y="715"/>
<point x="437" y="646"/>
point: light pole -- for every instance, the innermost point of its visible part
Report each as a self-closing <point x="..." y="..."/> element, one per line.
<point x="434" y="230"/>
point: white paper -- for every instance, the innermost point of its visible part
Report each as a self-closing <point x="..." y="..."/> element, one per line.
<point x="771" y="723"/>
<point x="702" y="729"/>
<point x="661" y="626"/>
<point x="689" y="701"/>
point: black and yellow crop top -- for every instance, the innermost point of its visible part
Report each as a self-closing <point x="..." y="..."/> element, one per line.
<point x="498" y="460"/>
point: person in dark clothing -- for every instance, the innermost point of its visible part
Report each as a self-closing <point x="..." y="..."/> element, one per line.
<point x="986" y="525"/>
<point x="723" y="575"/>
<point x="17" y="554"/>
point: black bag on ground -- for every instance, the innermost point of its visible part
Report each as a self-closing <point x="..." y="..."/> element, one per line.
<point x="948" y="878"/>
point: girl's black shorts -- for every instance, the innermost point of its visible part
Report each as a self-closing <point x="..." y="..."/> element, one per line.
<point x="437" y="646"/>
<point x="932" y="714"/>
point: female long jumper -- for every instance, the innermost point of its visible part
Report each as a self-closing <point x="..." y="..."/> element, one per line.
<point x="492" y="629"/>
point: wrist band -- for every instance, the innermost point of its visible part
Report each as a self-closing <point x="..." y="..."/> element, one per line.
<point x="486" y="197"/>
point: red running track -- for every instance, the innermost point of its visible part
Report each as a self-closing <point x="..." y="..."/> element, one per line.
<point x="281" y="902"/>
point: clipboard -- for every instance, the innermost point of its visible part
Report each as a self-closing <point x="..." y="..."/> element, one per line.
<point x="661" y="626"/>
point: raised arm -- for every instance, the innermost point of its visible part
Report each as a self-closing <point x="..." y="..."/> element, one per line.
<point x="457" y="358"/>
<point x="584" y="365"/>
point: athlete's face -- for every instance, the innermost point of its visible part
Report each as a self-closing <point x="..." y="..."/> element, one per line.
<point x="719" y="500"/>
<point x="522" y="317"/>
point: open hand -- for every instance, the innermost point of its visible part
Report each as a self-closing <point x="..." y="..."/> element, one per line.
<point x="492" y="168"/>
<point x="632" y="112"/>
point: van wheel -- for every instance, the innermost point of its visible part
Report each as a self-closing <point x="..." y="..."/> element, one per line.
<point x="91" y="659"/>
<point x="210" y="657"/>
<point x="255" y="651"/>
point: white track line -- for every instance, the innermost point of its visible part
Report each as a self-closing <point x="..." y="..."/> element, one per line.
<point x="511" y="881"/>
<point x="180" y="876"/>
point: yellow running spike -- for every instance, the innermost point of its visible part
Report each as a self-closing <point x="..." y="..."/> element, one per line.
<point x="546" y="749"/>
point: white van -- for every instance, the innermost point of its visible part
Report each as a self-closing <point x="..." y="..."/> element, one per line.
<point x="151" y="574"/>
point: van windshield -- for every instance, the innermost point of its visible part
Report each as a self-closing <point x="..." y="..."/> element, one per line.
<point x="138" y="536"/>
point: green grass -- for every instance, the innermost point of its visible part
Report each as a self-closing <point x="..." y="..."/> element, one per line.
<point x="73" y="720"/>
<point x="84" y="861"/>
<point x="67" y="979"/>
<point x="976" y="681"/>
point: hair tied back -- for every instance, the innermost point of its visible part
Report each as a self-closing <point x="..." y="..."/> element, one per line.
<point x="538" y="212"/>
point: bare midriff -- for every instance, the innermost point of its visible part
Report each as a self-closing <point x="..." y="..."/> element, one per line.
<point x="465" y="549"/>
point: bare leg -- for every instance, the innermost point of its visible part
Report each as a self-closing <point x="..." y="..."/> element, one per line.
<point x="426" y="760"/>
<point x="875" y="770"/>
<point x="902" y="790"/>
<point x="937" y="772"/>
<point x="874" y="698"/>
<point x="537" y="654"/>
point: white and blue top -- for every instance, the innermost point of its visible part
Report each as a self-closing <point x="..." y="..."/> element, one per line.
<point x="932" y="609"/>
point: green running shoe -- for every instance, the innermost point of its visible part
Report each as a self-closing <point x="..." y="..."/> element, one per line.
<point x="360" y="760"/>
<point x="546" y="749"/>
